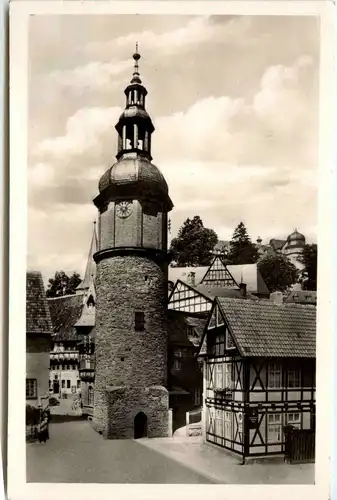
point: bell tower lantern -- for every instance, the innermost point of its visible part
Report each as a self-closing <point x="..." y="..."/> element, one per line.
<point x="131" y="281"/>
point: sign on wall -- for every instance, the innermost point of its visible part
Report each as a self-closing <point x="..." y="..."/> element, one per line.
<point x="253" y="417"/>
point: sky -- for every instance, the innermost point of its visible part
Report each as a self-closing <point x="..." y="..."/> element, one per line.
<point x="234" y="102"/>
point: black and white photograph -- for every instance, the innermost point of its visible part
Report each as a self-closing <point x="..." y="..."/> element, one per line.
<point x="172" y="212"/>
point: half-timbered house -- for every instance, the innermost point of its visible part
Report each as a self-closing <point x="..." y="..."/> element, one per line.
<point x="259" y="373"/>
<point x="220" y="275"/>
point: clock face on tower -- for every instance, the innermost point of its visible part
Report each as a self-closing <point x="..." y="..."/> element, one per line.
<point x="124" y="209"/>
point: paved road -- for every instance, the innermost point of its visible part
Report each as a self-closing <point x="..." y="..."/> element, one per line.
<point x="77" y="454"/>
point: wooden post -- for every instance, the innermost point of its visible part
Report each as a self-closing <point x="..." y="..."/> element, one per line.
<point x="170" y="423"/>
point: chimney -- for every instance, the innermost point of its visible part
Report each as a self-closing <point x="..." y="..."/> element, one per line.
<point x="277" y="298"/>
<point x="243" y="289"/>
<point x="191" y="278"/>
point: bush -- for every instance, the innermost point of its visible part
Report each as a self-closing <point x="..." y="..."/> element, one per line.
<point x="32" y="415"/>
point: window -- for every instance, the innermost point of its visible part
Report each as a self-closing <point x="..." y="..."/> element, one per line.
<point x="294" y="377"/>
<point x="294" y="419"/>
<point x="178" y="353"/>
<point x="68" y="384"/>
<point x="31" y="388"/>
<point x="228" y="376"/>
<point x="219" y="423"/>
<point x="274" y="428"/>
<point x="74" y="367"/>
<point x="228" y="425"/>
<point x="177" y="364"/>
<point x="139" y="321"/>
<point x="274" y="375"/>
<point x="90" y="396"/>
<point x="229" y="341"/>
<point x="218" y="376"/>
<point x="240" y="426"/>
<point x="78" y="384"/>
<point x="56" y="376"/>
<point x="63" y="384"/>
<point x="68" y="367"/>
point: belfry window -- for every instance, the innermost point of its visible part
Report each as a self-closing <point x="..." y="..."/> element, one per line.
<point x="139" y="321"/>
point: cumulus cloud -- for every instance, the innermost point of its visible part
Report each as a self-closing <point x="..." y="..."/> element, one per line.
<point x="95" y="75"/>
<point x="245" y="153"/>
<point x="194" y="32"/>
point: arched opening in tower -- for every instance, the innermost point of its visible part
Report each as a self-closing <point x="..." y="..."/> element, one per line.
<point x="140" y="425"/>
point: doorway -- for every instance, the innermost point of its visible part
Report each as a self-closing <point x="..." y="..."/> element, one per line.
<point x="140" y="425"/>
<point x="56" y="386"/>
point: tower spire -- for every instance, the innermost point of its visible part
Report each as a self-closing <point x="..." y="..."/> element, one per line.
<point x="135" y="77"/>
<point x="90" y="270"/>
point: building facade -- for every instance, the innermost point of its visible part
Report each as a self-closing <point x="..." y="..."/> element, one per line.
<point x="64" y="376"/>
<point x="131" y="397"/>
<point x="38" y="341"/>
<point x="259" y="374"/>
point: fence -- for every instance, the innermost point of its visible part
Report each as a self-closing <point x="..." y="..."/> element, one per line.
<point x="31" y="431"/>
<point x="299" y="445"/>
<point x="194" y="422"/>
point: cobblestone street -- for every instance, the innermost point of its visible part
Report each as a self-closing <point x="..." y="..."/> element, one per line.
<point x="75" y="453"/>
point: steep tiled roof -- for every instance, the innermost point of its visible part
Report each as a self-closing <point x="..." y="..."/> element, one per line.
<point x="65" y="311"/>
<point x="198" y="326"/>
<point x="90" y="270"/>
<point x="261" y="328"/>
<point x="38" y="318"/>
<point x="277" y="244"/>
<point x="249" y="274"/>
<point x="182" y="273"/>
<point x="213" y="292"/>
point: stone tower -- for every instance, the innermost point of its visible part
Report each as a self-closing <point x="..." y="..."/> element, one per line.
<point x="131" y="399"/>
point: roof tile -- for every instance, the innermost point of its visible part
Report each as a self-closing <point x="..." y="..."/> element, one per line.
<point x="261" y="328"/>
<point x="38" y="318"/>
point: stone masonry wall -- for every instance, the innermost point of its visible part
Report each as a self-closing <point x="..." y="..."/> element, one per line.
<point x="124" y="403"/>
<point x="124" y="357"/>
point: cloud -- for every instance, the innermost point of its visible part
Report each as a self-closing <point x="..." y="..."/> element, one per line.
<point x="95" y="75"/>
<point x="226" y="140"/>
<point x="274" y="128"/>
<point x="84" y="131"/>
<point x="234" y="103"/>
<point x="194" y="32"/>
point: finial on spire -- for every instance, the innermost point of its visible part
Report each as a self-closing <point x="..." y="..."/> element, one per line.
<point x="136" y="56"/>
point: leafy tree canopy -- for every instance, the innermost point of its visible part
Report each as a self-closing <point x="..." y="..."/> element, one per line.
<point x="309" y="260"/>
<point x="277" y="271"/>
<point x="242" y="250"/>
<point x="62" y="284"/>
<point x="193" y="245"/>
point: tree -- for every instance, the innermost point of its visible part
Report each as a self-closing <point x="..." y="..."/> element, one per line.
<point x="277" y="271"/>
<point x="193" y="245"/>
<point x="62" y="284"/>
<point x="309" y="260"/>
<point x="241" y="249"/>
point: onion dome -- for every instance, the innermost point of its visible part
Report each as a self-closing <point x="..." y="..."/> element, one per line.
<point x="296" y="239"/>
<point x="133" y="169"/>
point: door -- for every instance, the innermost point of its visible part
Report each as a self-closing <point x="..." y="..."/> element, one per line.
<point x="140" y="425"/>
<point x="56" y="386"/>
